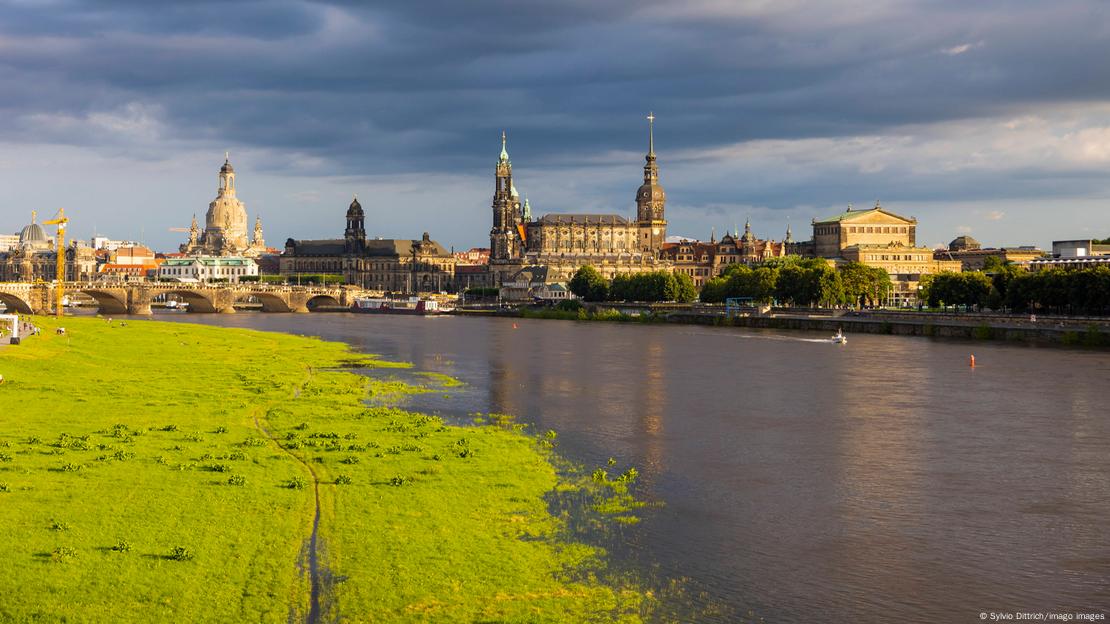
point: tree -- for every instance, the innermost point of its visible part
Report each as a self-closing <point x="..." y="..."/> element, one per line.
<point x="864" y="285"/>
<point x="713" y="290"/>
<point x="685" y="291"/>
<point x="588" y="284"/>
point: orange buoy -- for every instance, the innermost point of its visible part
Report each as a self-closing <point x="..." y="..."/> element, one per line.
<point x="514" y="325"/>
<point x="971" y="362"/>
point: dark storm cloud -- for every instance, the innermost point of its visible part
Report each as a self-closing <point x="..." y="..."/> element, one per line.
<point x="427" y="86"/>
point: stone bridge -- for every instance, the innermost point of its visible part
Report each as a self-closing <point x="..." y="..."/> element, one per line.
<point x="136" y="297"/>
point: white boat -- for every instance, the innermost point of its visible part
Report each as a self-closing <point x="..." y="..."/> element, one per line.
<point x="839" y="338"/>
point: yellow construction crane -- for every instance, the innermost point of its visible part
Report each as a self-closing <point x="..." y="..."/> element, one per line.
<point x="60" y="273"/>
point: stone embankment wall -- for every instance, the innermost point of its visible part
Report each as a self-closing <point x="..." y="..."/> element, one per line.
<point x="1095" y="335"/>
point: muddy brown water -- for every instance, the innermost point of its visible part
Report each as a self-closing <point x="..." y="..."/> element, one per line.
<point x="884" y="480"/>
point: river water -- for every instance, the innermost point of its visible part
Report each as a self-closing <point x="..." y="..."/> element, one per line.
<point x="880" y="481"/>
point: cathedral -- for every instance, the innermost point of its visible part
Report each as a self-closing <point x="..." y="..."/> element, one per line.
<point x="225" y="224"/>
<point x="563" y="242"/>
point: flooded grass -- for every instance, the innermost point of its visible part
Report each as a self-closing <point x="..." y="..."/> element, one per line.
<point x="162" y="472"/>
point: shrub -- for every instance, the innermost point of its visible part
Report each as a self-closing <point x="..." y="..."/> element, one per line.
<point x="218" y="468"/>
<point x="221" y="429"/>
<point x="628" y="476"/>
<point x="4" y="487"/>
<point x="301" y="426"/>
<point x="254" y="442"/>
<point x="350" y="459"/>
<point x="195" y="437"/>
<point x="180" y="553"/>
<point x="58" y="526"/>
<point x="72" y="467"/>
<point x="169" y="428"/>
<point x="121" y="546"/>
<point x="398" y="480"/>
<point x="296" y="483"/>
<point x="4" y="457"/>
<point x="236" y="480"/>
<point x="236" y="456"/>
<point x="343" y="480"/>
<point x="63" y="553"/>
<point x="600" y="476"/>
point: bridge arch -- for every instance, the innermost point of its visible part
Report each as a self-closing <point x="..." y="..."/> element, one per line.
<point x="316" y="301"/>
<point x="106" y="301"/>
<point x="271" y="302"/>
<point x="15" y="304"/>
<point x="196" y="300"/>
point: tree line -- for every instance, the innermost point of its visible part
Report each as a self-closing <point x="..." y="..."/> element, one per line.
<point x="591" y="285"/>
<point x="1005" y="286"/>
<point x="797" y="281"/>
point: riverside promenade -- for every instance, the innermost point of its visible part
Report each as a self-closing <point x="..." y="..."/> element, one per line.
<point x="1041" y="329"/>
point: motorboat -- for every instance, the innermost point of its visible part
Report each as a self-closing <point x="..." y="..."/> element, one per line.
<point x="839" y="338"/>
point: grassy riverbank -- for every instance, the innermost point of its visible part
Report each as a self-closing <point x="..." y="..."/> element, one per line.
<point x="163" y="472"/>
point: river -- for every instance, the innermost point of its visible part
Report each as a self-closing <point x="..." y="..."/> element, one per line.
<point x="881" y="481"/>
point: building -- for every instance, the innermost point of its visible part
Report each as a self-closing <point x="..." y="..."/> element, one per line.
<point x="564" y="242"/>
<point x="1079" y="248"/>
<point x="396" y="265"/>
<point x="9" y="242"/>
<point x="34" y="258"/>
<point x="879" y="238"/>
<point x="704" y="261"/>
<point x="207" y="269"/>
<point x="474" y="255"/>
<point x="1081" y="254"/>
<point x="973" y="256"/>
<point x="225" y="224"/>
<point x="132" y="261"/>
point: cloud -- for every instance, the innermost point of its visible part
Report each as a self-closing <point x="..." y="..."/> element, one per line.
<point x="790" y="106"/>
<point x="956" y="50"/>
<point x="995" y="215"/>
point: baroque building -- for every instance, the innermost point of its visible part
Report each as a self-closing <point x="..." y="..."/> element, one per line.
<point x="225" y="224"/>
<point x="879" y="238"/>
<point x="561" y="243"/>
<point x="394" y="265"/>
<point x="973" y="256"/>
<point x="34" y="258"/>
<point x="703" y="261"/>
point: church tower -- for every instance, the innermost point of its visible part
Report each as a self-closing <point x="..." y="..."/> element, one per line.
<point x="650" y="200"/>
<point x="355" y="234"/>
<point x="504" y="237"/>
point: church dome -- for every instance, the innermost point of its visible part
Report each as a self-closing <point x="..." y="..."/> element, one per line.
<point x="227" y="168"/>
<point x="32" y="234"/>
<point x="355" y="209"/>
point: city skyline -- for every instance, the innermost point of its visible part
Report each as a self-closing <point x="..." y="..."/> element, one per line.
<point x="975" y="123"/>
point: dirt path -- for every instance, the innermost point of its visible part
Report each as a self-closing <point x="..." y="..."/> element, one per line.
<point x="314" y="573"/>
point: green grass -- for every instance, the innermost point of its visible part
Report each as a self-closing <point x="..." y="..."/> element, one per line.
<point x="162" y="472"/>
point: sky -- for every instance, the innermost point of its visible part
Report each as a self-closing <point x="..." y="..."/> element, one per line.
<point x="989" y="118"/>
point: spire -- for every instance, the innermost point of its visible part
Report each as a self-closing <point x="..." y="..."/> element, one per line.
<point x="789" y="235"/>
<point x="34" y="215"/>
<point x="504" y="152"/>
<point x="651" y="133"/>
<point x="877" y="205"/>
<point x="527" y="209"/>
<point x="713" y="234"/>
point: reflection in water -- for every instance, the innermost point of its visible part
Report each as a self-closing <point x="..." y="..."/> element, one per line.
<point x="879" y="481"/>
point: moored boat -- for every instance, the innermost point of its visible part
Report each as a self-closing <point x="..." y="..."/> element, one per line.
<point x="382" y="305"/>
